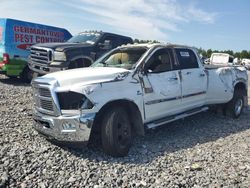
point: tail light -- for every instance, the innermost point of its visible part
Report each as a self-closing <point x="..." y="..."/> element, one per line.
<point x="6" y="58"/>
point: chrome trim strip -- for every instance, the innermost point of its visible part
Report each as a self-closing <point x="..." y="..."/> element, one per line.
<point x="162" y="100"/>
<point x="174" y="98"/>
<point x="194" y="94"/>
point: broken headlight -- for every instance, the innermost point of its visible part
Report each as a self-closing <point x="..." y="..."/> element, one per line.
<point x="73" y="101"/>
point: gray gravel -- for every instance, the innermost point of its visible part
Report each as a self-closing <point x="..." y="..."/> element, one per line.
<point x="206" y="150"/>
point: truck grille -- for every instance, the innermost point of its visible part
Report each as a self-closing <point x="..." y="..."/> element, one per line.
<point x="41" y="55"/>
<point x="47" y="105"/>
<point x="44" y="92"/>
<point x="44" y="101"/>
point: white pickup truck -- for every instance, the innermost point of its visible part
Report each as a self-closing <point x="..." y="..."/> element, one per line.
<point x="221" y="59"/>
<point x="130" y="89"/>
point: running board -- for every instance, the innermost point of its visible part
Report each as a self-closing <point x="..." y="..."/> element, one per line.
<point x="175" y="117"/>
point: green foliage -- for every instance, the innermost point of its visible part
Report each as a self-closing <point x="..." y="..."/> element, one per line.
<point x="242" y="54"/>
<point x="207" y="53"/>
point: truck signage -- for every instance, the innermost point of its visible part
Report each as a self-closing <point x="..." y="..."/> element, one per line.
<point x="16" y="38"/>
<point x="27" y="36"/>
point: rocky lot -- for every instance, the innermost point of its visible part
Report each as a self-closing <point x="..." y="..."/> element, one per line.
<point x="206" y="150"/>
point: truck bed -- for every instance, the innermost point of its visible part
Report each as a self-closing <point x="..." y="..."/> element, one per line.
<point x="216" y="66"/>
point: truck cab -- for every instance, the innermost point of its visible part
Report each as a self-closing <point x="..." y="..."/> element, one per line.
<point x="79" y="51"/>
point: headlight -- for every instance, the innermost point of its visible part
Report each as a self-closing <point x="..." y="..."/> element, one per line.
<point x="59" y="56"/>
<point x="73" y="101"/>
<point x="87" y="104"/>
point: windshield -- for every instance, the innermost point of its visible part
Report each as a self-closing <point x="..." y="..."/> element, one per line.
<point x="85" y="37"/>
<point x="121" y="58"/>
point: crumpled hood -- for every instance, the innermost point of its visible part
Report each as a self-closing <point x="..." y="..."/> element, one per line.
<point x="62" y="46"/>
<point x="86" y="76"/>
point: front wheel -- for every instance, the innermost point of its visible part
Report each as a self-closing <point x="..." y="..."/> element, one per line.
<point x="27" y="75"/>
<point x="116" y="133"/>
<point x="236" y="105"/>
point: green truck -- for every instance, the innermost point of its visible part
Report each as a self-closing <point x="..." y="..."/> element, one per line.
<point x="16" y="37"/>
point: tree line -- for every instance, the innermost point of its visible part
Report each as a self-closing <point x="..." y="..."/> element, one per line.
<point x="241" y="55"/>
<point x="207" y="53"/>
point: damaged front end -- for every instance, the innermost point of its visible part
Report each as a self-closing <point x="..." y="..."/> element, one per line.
<point x="61" y="115"/>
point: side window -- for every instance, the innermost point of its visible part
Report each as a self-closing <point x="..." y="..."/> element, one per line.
<point x="231" y="59"/>
<point x="124" y="41"/>
<point x="186" y="58"/>
<point x="160" y="61"/>
<point x="108" y="42"/>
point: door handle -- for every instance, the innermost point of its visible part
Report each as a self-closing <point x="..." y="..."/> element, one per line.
<point x="202" y="75"/>
<point x="173" y="79"/>
<point x="187" y="73"/>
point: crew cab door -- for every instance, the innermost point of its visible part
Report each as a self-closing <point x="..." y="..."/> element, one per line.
<point x="193" y="79"/>
<point x="161" y="85"/>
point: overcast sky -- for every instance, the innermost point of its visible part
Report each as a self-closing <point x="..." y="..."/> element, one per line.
<point x="222" y="24"/>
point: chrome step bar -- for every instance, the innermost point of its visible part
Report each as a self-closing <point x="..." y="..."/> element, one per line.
<point x="175" y="117"/>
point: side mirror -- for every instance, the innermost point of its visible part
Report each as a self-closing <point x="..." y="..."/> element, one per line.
<point x="106" y="45"/>
<point x="146" y="70"/>
<point x="149" y="71"/>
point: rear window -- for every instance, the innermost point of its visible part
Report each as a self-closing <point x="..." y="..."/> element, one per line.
<point x="186" y="58"/>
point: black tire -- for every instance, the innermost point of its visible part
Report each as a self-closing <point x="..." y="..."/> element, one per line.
<point x="27" y="75"/>
<point x="116" y="133"/>
<point x="236" y="105"/>
<point x="12" y="77"/>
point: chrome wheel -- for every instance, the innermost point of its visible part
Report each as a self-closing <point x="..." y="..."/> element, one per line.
<point x="238" y="107"/>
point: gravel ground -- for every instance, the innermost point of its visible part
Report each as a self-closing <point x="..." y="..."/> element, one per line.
<point x="206" y="150"/>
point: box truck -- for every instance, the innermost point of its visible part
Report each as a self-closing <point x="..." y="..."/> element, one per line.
<point x="16" y="37"/>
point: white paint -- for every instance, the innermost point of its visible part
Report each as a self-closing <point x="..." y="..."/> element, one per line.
<point x="100" y="85"/>
<point x="86" y="76"/>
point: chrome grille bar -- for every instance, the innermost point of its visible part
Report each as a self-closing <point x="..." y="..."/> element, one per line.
<point x="41" y="55"/>
<point x="44" y="101"/>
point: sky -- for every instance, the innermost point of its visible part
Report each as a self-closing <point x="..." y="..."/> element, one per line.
<point x="219" y="25"/>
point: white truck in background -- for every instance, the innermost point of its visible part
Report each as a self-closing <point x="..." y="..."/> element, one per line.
<point x="246" y="62"/>
<point x="133" y="88"/>
<point x="221" y="59"/>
